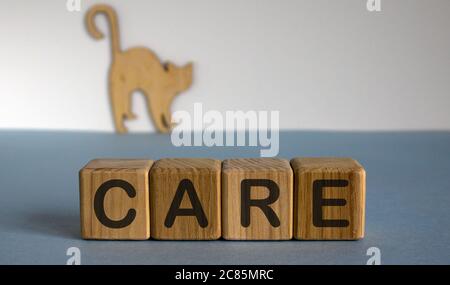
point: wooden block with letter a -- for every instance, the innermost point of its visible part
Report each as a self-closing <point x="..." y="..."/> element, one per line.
<point x="329" y="198"/>
<point x="114" y="199"/>
<point x="185" y="199"/>
<point x="257" y="197"/>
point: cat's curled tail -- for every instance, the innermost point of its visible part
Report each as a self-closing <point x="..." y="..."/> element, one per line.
<point x="109" y="12"/>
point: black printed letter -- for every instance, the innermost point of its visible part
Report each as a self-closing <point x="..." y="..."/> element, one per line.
<point x="197" y="210"/>
<point x="99" y="205"/>
<point x="263" y="204"/>
<point x="319" y="202"/>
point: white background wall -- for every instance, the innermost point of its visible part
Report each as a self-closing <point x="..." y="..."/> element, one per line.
<point x="324" y="64"/>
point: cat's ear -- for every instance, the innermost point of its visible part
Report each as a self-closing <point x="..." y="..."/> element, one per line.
<point x="188" y="72"/>
<point x="188" y="68"/>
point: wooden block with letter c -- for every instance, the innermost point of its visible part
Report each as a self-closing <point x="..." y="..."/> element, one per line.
<point x="185" y="199"/>
<point x="329" y="198"/>
<point x="114" y="199"/>
<point x="257" y="197"/>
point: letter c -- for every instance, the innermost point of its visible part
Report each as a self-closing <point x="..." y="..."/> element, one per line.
<point x="99" y="204"/>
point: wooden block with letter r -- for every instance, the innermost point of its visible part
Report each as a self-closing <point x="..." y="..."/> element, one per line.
<point x="329" y="198"/>
<point x="185" y="199"/>
<point x="114" y="199"/>
<point x="257" y="199"/>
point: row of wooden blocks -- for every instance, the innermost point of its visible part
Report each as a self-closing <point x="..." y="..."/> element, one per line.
<point x="237" y="199"/>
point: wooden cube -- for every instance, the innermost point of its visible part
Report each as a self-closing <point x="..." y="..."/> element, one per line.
<point x="329" y="198"/>
<point x="257" y="199"/>
<point x="185" y="199"/>
<point x="114" y="199"/>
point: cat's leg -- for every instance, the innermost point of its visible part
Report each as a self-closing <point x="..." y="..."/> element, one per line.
<point x="117" y="101"/>
<point x="129" y="115"/>
<point x="158" y="109"/>
<point x="118" y="121"/>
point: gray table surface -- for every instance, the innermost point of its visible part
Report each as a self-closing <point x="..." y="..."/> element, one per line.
<point x="407" y="213"/>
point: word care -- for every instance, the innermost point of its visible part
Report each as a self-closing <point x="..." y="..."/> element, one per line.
<point x="237" y="199"/>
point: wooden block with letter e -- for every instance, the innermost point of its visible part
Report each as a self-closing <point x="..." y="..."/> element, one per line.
<point x="257" y="199"/>
<point x="329" y="198"/>
<point x="114" y="199"/>
<point x="185" y="199"/>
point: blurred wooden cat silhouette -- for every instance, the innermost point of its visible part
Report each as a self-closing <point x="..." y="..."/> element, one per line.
<point x="139" y="69"/>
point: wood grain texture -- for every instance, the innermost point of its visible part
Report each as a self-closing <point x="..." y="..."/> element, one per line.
<point x="234" y="171"/>
<point x="116" y="202"/>
<point x="309" y="170"/>
<point x="165" y="179"/>
<point x="139" y="69"/>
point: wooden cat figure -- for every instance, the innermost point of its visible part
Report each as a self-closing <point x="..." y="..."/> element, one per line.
<point x="139" y="69"/>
